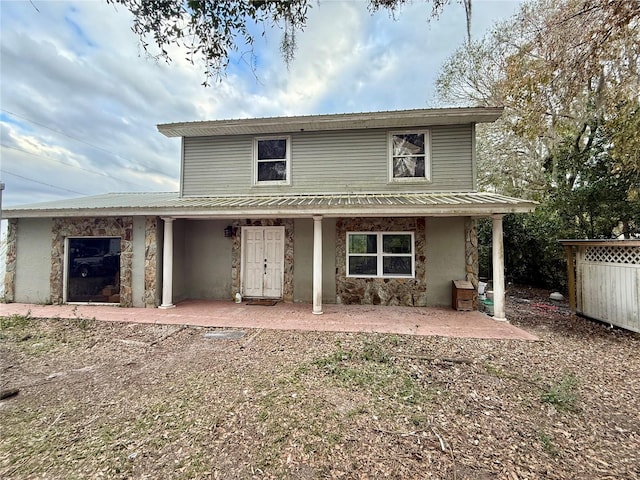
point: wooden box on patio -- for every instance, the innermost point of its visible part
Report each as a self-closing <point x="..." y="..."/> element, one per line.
<point x="462" y="295"/>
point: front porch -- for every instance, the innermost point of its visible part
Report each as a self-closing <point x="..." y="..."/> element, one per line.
<point x="425" y="321"/>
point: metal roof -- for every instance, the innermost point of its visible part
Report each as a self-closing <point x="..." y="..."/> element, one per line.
<point x="343" y="121"/>
<point x="331" y="205"/>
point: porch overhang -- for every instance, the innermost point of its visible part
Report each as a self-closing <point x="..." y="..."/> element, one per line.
<point x="171" y="204"/>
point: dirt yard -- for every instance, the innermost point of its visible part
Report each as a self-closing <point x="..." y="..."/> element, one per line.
<point x="121" y="401"/>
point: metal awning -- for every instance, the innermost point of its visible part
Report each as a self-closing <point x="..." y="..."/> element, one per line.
<point x="171" y="204"/>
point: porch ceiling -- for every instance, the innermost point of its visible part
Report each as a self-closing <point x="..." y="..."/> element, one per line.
<point x="170" y="204"/>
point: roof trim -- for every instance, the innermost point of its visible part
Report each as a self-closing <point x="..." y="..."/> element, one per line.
<point x="292" y="206"/>
<point x="343" y="121"/>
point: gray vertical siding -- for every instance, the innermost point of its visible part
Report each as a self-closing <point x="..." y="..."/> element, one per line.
<point x="325" y="162"/>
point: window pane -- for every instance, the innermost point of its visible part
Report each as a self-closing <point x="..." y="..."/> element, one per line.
<point x="94" y="270"/>
<point x="396" y="243"/>
<point x="408" y="144"/>
<point x="363" y="266"/>
<point x="275" y="149"/>
<point x="272" y="171"/>
<point x="408" y="167"/>
<point x="363" y="243"/>
<point x="396" y="266"/>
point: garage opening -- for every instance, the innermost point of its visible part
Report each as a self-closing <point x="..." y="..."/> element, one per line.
<point x="93" y="269"/>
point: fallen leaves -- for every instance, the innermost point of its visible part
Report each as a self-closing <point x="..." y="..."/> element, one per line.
<point x="143" y="401"/>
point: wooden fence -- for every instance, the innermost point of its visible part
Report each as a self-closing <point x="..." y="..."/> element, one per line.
<point x="604" y="280"/>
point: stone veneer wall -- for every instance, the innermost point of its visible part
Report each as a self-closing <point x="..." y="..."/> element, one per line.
<point x="236" y="253"/>
<point x="471" y="254"/>
<point x="10" y="261"/>
<point x="382" y="291"/>
<point x="87" y="227"/>
<point x="150" y="262"/>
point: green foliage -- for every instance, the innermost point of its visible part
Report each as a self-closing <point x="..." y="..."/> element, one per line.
<point x="15" y="322"/>
<point x="566" y="72"/>
<point x="369" y="367"/>
<point x="532" y="254"/>
<point x="210" y="30"/>
<point x="547" y="443"/>
<point x="593" y="195"/>
<point x="563" y="394"/>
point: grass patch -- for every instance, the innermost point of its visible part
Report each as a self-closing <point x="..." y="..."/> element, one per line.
<point x="563" y="395"/>
<point x="547" y="444"/>
<point x="15" y="322"/>
<point x="370" y="368"/>
<point x="495" y="370"/>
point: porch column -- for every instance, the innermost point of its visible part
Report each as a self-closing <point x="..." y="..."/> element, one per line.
<point x="317" y="264"/>
<point x="167" y="264"/>
<point x="498" y="269"/>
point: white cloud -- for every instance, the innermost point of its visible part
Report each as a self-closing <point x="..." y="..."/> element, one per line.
<point x="83" y="97"/>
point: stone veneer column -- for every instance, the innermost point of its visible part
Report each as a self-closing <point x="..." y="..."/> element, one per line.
<point x="471" y="254"/>
<point x="167" y="264"/>
<point x="10" y="261"/>
<point x="317" y="264"/>
<point x="150" y="262"/>
<point x="498" y="269"/>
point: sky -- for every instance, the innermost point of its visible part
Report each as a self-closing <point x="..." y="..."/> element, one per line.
<point x="80" y="101"/>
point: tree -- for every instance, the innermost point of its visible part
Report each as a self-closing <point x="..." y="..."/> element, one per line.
<point x="210" y="30"/>
<point x="566" y="72"/>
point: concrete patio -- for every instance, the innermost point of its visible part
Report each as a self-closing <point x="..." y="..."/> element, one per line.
<point x="443" y="322"/>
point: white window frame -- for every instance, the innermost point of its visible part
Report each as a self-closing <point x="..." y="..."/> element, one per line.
<point x="427" y="156"/>
<point x="380" y="255"/>
<point x="287" y="159"/>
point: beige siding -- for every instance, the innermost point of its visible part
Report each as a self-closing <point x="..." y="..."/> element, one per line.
<point x="325" y="162"/>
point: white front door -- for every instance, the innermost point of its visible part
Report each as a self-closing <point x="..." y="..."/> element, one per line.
<point x="263" y="261"/>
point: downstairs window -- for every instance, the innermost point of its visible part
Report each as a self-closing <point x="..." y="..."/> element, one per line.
<point x="380" y="254"/>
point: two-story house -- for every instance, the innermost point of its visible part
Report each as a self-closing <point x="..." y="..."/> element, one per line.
<point x="373" y="208"/>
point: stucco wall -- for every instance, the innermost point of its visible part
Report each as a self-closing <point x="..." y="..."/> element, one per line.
<point x="445" y="257"/>
<point x="303" y="260"/>
<point x="33" y="258"/>
<point x="207" y="259"/>
<point x="180" y="280"/>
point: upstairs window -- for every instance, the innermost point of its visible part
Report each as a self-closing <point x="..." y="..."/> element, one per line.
<point x="272" y="161"/>
<point x="409" y="156"/>
<point x="380" y="254"/>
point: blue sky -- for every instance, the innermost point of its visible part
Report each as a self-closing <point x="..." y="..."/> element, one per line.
<point x="79" y="101"/>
